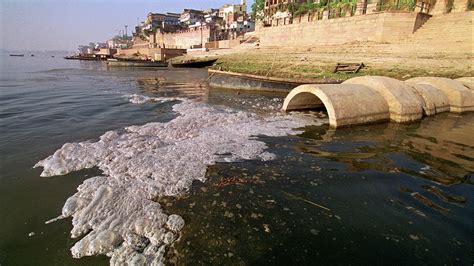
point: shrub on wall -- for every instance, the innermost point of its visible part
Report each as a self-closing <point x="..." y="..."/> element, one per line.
<point x="470" y="5"/>
<point x="399" y="5"/>
<point x="449" y="5"/>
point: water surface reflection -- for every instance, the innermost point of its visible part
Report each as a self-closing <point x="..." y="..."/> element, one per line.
<point x="386" y="193"/>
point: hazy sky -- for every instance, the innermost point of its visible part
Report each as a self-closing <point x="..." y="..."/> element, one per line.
<point x="65" y="24"/>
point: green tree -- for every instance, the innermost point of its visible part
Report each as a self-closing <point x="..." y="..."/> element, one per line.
<point x="257" y="8"/>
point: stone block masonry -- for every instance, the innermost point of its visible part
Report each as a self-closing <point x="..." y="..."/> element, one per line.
<point x="185" y="40"/>
<point x="378" y="27"/>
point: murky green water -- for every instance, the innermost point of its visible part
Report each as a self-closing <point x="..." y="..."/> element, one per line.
<point x="380" y="194"/>
<point x="383" y="194"/>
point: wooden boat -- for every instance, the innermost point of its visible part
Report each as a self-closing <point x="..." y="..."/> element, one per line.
<point x="82" y="57"/>
<point x="135" y="63"/>
<point x="18" y="55"/>
<point x="72" y="57"/>
<point x="194" y="63"/>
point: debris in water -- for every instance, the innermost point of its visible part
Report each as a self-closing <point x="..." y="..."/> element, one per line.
<point x="266" y="227"/>
<point x="429" y="203"/>
<point x="31" y="234"/>
<point x="307" y="201"/>
<point x="231" y="180"/>
<point x="445" y="196"/>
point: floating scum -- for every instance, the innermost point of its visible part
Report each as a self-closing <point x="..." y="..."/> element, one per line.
<point x="116" y="214"/>
<point x="370" y="99"/>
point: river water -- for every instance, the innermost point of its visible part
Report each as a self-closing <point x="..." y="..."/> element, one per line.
<point x="384" y="194"/>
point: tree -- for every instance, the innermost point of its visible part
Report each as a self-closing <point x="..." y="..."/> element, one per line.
<point x="257" y="9"/>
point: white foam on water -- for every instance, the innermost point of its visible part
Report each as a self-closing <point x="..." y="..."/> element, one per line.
<point x="116" y="213"/>
<point x="141" y="99"/>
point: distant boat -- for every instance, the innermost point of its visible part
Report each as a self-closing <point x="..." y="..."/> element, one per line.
<point x="194" y="63"/>
<point x="19" y="55"/>
<point x="32" y="55"/>
<point x="135" y="63"/>
<point x="71" y="57"/>
<point x="82" y="57"/>
<point x="52" y="56"/>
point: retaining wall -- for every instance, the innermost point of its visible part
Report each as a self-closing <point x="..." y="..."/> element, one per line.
<point x="155" y="53"/>
<point x="378" y="27"/>
<point x="184" y="40"/>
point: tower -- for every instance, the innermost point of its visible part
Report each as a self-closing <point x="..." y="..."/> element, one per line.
<point x="243" y="3"/>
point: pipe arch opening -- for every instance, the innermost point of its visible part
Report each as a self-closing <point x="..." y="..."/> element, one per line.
<point x="304" y="101"/>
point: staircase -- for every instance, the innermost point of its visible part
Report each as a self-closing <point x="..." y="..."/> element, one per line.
<point x="443" y="33"/>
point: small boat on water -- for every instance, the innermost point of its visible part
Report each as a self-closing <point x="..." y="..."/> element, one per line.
<point x="82" y="57"/>
<point x="18" y="55"/>
<point x="135" y="63"/>
<point x="194" y="63"/>
<point x="72" y="57"/>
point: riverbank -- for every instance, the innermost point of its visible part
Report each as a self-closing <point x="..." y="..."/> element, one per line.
<point x="319" y="62"/>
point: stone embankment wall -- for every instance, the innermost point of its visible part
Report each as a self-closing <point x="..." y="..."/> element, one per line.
<point x="184" y="40"/>
<point x="224" y="44"/>
<point x="370" y="99"/>
<point x="378" y="27"/>
<point x="153" y="53"/>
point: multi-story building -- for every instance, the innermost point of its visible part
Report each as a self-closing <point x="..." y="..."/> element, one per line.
<point x="163" y="21"/>
<point x="233" y="11"/>
<point x="191" y="16"/>
<point x="172" y="19"/>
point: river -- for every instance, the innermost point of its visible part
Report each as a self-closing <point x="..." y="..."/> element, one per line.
<point x="258" y="193"/>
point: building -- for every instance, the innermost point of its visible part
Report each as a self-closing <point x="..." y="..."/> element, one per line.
<point x="231" y="13"/>
<point x="191" y="16"/>
<point x="168" y="21"/>
<point x="172" y="19"/>
<point x="230" y="9"/>
<point x="119" y="42"/>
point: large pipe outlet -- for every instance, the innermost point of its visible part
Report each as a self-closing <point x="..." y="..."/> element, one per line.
<point x="404" y="104"/>
<point x="433" y="100"/>
<point x="467" y="81"/>
<point x="346" y="104"/>
<point x="461" y="99"/>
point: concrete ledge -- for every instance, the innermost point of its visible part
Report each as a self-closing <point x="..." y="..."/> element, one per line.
<point x="404" y="104"/>
<point x="346" y="104"/>
<point x="433" y="101"/>
<point x="461" y="99"/>
<point x="239" y="81"/>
